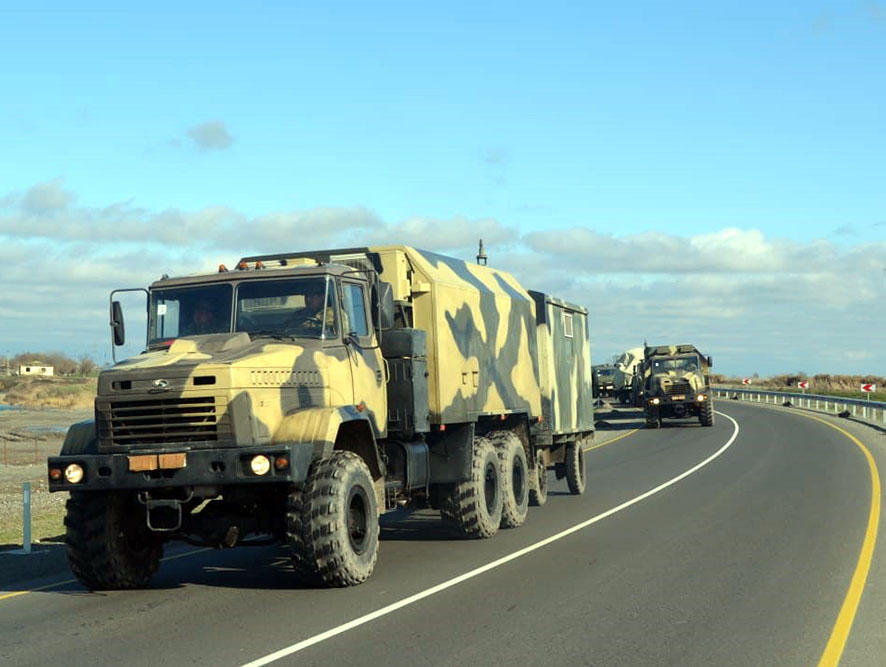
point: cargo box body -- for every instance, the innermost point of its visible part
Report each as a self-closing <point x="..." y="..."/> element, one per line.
<point x="481" y="342"/>
<point x="564" y="365"/>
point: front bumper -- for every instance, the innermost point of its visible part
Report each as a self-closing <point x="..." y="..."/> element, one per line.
<point x="669" y="406"/>
<point x="204" y="467"/>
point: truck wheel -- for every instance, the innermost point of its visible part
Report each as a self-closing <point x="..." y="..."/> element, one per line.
<point x="514" y="478"/>
<point x="706" y="415"/>
<point x="576" y="473"/>
<point x="332" y="523"/>
<point x="474" y="506"/>
<point x="108" y="541"/>
<point x="652" y="421"/>
<point x="539" y="495"/>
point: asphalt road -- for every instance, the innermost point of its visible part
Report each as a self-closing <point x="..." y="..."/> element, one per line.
<point x="746" y="560"/>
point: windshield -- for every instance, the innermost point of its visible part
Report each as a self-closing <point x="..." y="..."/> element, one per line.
<point x="606" y="371"/>
<point x="303" y="307"/>
<point x="685" y="364"/>
<point x="189" y="311"/>
<point x="298" y="307"/>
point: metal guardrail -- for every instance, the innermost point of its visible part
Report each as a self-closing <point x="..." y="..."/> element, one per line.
<point x="870" y="411"/>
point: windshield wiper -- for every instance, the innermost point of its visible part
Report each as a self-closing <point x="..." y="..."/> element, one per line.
<point x="267" y="333"/>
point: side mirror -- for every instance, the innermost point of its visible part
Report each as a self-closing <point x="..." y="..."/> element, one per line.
<point x="117" y="325"/>
<point x="710" y="362"/>
<point x="385" y="305"/>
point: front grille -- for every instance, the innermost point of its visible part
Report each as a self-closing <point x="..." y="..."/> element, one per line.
<point x="162" y="421"/>
<point x="680" y="387"/>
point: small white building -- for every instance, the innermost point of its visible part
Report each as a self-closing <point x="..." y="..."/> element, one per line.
<point x="35" y="368"/>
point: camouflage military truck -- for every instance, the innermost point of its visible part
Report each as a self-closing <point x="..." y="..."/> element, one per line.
<point x="676" y="384"/>
<point x="604" y="380"/>
<point x="625" y="389"/>
<point x="298" y="396"/>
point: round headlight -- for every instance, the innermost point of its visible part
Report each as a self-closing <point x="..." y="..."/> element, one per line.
<point x="655" y="401"/>
<point x="701" y="397"/>
<point x="260" y="464"/>
<point x="74" y="473"/>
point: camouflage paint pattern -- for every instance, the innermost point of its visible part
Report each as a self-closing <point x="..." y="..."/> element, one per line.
<point x="662" y="382"/>
<point x="480" y="330"/>
<point x="487" y="355"/>
<point x="255" y="387"/>
<point x="565" y="362"/>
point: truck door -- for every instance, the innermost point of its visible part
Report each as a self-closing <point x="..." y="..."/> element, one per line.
<point x="367" y="365"/>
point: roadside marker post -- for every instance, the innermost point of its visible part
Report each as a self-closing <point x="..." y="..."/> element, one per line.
<point x="869" y="389"/>
<point x="26" y="523"/>
<point x="26" y="517"/>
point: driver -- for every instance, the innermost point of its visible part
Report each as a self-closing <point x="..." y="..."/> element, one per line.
<point x="309" y="319"/>
<point x="202" y="319"/>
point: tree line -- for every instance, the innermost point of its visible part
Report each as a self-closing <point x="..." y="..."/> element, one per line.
<point x="61" y="363"/>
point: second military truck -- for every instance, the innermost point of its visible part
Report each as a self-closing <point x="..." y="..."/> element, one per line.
<point x="676" y="381"/>
<point x="297" y="396"/>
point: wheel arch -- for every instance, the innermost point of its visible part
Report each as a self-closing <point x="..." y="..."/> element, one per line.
<point x="81" y="438"/>
<point x="333" y="429"/>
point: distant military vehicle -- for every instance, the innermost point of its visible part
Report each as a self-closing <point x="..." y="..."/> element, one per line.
<point x="625" y="389"/>
<point x="676" y="383"/>
<point x="300" y="395"/>
<point x="604" y="380"/>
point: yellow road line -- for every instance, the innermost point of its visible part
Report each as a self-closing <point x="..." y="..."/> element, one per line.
<point x="57" y="584"/>
<point x="840" y="634"/>
<point x="609" y="442"/>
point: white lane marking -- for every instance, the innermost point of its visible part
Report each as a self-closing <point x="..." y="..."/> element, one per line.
<point x="384" y="611"/>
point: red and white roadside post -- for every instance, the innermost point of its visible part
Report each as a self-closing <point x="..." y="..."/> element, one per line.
<point x="869" y="388"/>
<point x="803" y="385"/>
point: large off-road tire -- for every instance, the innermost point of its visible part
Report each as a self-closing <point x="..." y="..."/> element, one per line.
<point x="474" y="507"/>
<point x="514" y="478"/>
<point x="706" y="413"/>
<point x="576" y="472"/>
<point x="108" y="541"/>
<point x="332" y="523"/>
<point x="538" y="495"/>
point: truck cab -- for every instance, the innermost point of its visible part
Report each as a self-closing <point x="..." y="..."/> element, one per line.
<point x="676" y="384"/>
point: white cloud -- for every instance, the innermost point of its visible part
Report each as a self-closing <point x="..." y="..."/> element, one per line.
<point x="43" y="198"/>
<point x="756" y="303"/>
<point x="212" y="135"/>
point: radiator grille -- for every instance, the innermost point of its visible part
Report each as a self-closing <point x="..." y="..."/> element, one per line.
<point x="680" y="387"/>
<point x="163" y="421"/>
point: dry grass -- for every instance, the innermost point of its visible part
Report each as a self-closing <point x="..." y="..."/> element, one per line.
<point x="847" y="386"/>
<point x="50" y="392"/>
<point x="47" y="509"/>
<point x="27" y="436"/>
<point x="47" y="518"/>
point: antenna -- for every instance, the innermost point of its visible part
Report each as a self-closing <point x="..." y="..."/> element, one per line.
<point x="481" y="255"/>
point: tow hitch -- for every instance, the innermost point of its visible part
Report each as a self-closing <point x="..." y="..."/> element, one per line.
<point x="163" y="515"/>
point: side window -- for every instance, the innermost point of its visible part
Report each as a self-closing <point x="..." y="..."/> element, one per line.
<point x="567" y="324"/>
<point x="166" y="323"/>
<point x="354" y="308"/>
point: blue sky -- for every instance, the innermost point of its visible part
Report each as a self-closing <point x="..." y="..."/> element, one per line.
<point x="707" y="171"/>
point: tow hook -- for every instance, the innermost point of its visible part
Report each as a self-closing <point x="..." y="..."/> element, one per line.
<point x="163" y="515"/>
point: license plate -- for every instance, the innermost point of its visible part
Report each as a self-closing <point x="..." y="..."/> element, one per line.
<point x="143" y="463"/>
<point x="678" y="397"/>
<point x="172" y="461"/>
<point x="149" y="462"/>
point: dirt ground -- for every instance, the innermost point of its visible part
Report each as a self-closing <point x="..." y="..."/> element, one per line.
<point x="27" y="437"/>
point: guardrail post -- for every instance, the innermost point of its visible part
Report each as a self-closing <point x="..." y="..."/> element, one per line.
<point x="26" y="517"/>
